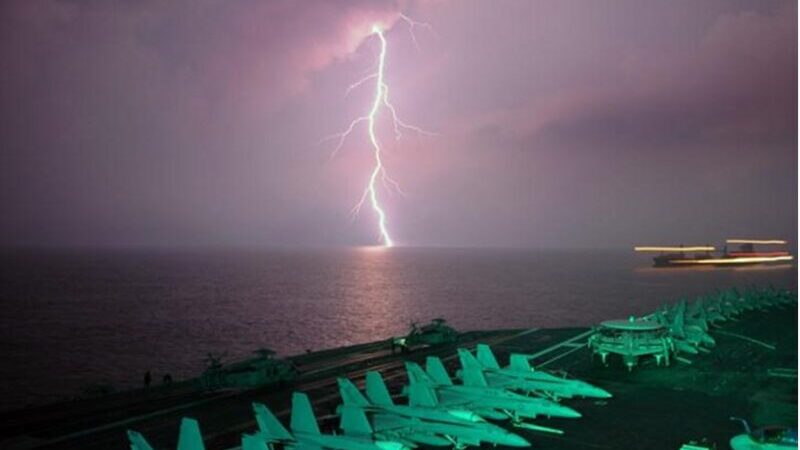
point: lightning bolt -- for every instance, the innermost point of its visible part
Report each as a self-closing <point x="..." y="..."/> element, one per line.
<point x="381" y="94"/>
<point x="380" y="99"/>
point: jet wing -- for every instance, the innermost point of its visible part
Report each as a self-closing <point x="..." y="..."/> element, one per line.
<point x="457" y="399"/>
<point x="471" y="402"/>
<point x="302" y="446"/>
<point x="390" y="422"/>
<point x="497" y="380"/>
<point x="392" y="425"/>
<point x="410" y="432"/>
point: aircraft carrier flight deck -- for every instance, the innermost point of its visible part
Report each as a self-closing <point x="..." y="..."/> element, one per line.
<point x="750" y="372"/>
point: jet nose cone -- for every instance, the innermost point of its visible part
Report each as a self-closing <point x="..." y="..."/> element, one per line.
<point x="515" y="440"/>
<point x="600" y="393"/>
<point x="391" y="445"/>
<point x="566" y="412"/>
<point x="596" y="392"/>
<point x="742" y="442"/>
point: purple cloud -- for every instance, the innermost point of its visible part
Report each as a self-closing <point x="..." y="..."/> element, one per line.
<point x="562" y="123"/>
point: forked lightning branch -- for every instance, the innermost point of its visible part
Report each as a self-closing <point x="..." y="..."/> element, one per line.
<point x="380" y="102"/>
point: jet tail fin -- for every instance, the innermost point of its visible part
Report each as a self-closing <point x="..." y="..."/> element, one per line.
<point x="269" y="425"/>
<point x="520" y="363"/>
<point x="436" y="370"/>
<point x="421" y="395"/>
<point x="303" y="418"/>
<point x="189" y="437"/>
<point x="417" y="375"/>
<point x="377" y="392"/>
<point x="250" y="442"/>
<point x="467" y="359"/>
<point x="486" y="357"/>
<point x="353" y="421"/>
<point x="350" y="393"/>
<point x="473" y="376"/>
<point x="137" y="441"/>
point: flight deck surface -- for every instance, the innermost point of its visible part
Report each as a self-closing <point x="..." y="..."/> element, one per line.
<point x="653" y="407"/>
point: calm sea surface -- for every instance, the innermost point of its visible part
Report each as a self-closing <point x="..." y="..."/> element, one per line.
<point x="69" y="318"/>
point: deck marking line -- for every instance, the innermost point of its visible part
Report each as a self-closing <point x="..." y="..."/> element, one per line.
<point x="740" y="336"/>
<point x="547" y="350"/>
<point x="118" y="423"/>
<point x="555" y="358"/>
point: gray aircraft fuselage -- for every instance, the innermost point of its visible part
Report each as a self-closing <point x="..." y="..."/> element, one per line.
<point x="535" y="381"/>
<point x="393" y="424"/>
<point x="343" y="442"/>
<point x="504" y="403"/>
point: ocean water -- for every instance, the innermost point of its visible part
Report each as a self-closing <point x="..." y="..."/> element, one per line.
<point x="70" y="318"/>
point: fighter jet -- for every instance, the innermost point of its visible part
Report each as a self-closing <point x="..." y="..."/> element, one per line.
<point x="421" y="425"/>
<point x="765" y="438"/>
<point x="520" y="376"/>
<point x="490" y="402"/>
<point x="305" y="432"/>
<point x="189" y="437"/>
<point x="688" y="330"/>
<point x="504" y="403"/>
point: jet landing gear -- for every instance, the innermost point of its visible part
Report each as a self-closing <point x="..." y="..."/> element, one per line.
<point x="552" y="396"/>
<point x="456" y="444"/>
<point x="519" y="422"/>
<point x="534" y="427"/>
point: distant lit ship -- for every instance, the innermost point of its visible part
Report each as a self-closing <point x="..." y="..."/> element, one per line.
<point x="745" y="253"/>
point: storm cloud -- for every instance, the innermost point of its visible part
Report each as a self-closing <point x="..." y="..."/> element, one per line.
<point x="559" y="123"/>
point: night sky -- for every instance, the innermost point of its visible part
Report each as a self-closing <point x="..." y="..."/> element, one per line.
<point x="559" y="123"/>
